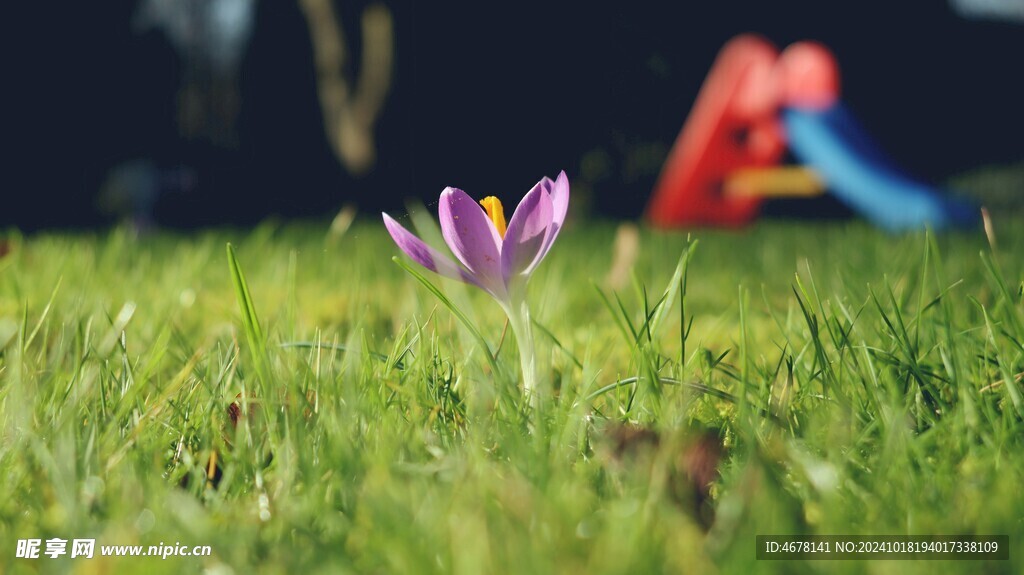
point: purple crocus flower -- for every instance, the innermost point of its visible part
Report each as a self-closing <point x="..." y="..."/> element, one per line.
<point x="492" y="257"/>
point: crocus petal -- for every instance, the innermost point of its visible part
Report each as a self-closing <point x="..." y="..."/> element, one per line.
<point x="425" y="255"/>
<point x="526" y="232"/>
<point x="472" y="237"/>
<point x="545" y="183"/>
<point x="560" y="199"/>
<point x="559" y="191"/>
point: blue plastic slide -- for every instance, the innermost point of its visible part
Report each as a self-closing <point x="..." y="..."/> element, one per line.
<point x="832" y="143"/>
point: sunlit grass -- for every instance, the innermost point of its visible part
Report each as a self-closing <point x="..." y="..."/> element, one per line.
<point x="860" y="383"/>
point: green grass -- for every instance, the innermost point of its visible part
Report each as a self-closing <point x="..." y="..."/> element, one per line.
<point x="862" y="383"/>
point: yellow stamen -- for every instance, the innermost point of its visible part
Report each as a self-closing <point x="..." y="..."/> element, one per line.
<point x="492" y="206"/>
<point x="211" y="469"/>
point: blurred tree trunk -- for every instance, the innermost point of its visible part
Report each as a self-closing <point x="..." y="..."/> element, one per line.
<point x="351" y="106"/>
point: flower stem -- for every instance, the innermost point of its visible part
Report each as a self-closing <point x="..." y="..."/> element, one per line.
<point x="519" y="318"/>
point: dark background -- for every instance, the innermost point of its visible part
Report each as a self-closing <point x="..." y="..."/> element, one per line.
<point x="486" y="97"/>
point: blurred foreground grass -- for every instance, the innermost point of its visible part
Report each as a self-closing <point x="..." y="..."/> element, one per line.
<point x="870" y="384"/>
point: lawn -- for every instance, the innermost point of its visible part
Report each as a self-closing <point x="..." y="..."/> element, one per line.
<point x="840" y="379"/>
